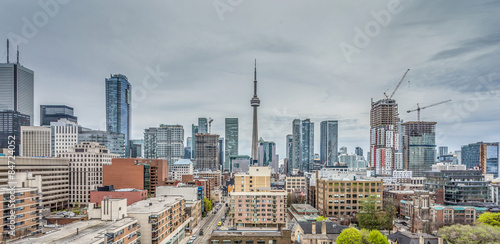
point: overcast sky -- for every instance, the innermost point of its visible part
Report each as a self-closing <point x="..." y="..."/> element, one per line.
<point x="320" y="60"/>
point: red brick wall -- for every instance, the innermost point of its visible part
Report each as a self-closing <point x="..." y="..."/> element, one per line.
<point x="131" y="196"/>
<point x="123" y="173"/>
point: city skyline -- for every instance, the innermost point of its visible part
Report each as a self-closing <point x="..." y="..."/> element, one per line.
<point x="335" y="89"/>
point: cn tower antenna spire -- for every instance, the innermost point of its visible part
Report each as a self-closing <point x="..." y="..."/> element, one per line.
<point x="255" y="103"/>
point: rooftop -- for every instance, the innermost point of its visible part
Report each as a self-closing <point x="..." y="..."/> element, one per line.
<point x="152" y="205"/>
<point x="88" y="232"/>
<point x="245" y="233"/>
<point x="183" y="162"/>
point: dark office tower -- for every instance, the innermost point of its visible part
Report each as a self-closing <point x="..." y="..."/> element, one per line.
<point x="289" y="150"/>
<point x="231" y="140"/>
<point x="419" y="140"/>
<point x="16" y="89"/>
<point x="52" y="113"/>
<point x="10" y="125"/>
<point x="329" y="142"/>
<point x="221" y="153"/>
<point x="296" y="157"/>
<point x="194" y="131"/>
<point x="118" y="107"/>
<point x="359" y="151"/>
<point x="136" y="148"/>
<point x="482" y="155"/>
<point x="202" y="125"/>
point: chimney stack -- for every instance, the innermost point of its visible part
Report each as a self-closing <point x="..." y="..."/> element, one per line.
<point x="323" y="227"/>
<point x="313" y="227"/>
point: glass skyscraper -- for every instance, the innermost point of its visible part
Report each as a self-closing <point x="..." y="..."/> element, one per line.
<point x="419" y="146"/>
<point x="17" y="89"/>
<point x="482" y="155"/>
<point x="302" y="145"/>
<point x="329" y="142"/>
<point x="10" y="125"/>
<point x="231" y="135"/>
<point x="118" y="107"/>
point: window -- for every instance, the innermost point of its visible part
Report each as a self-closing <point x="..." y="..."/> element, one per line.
<point x="226" y="242"/>
<point x="215" y="241"/>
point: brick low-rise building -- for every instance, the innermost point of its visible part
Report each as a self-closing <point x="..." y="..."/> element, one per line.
<point x="143" y="174"/>
<point x="341" y="195"/>
<point x="132" y="195"/>
<point x="20" y="213"/>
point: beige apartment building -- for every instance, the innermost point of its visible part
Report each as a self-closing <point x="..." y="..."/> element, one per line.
<point x="162" y="220"/>
<point x="254" y="203"/>
<point x="257" y="179"/>
<point x="49" y="175"/>
<point x="295" y="183"/>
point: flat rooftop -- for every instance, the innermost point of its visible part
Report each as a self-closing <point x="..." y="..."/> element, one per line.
<point x="88" y="232"/>
<point x="245" y="233"/>
<point x="152" y="205"/>
<point x="304" y="208"/>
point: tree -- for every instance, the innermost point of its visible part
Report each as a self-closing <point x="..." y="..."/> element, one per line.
<point x="373" y="237"/>
<point x="349" y="236"/>
<point x="470" y="234"/>
<point x="376" y="237"/>
<point x="368" y="216"/>
<point x="208" y="205"/>
<point x="321" y="218"/>
<point x="488" y="218"/>
<point x="389" y="215"/>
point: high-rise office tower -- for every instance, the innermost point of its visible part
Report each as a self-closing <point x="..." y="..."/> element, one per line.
<point x="307" y="145"/>
<point x="35" y="141"/>
<point x="52" y="113"/>
<point x="384" y="135"/>
<point x="296" y="159"/>
<point x="329" y="142"/>
<point x="207" y="151"/>
<point x="231" y="134"/>
<point x="482" y="155"/>
<point x="289" y="151"/>
<point x="268" y="156"/>
<point x="64" y="135"/>
<point x="343" y="150"/>
<point x="202" y="125"/>
<point x="17" y="89"/>
<point x="164" y="142"/>
<point x="136" y="148"/>
<point x="189" y="142"/>
<point x="221" y="154"/>
<point x="10" y="129"/>
<point x="86" y="161"/>
<point x="118" y="107"/>
<point x="419" y="140"/>
<point x="302" y="145"/>
<point x="255" y="103"/>
<point x="443" y="151"/>
<point x="359" y="151"/>
<point x="194" y="131"/>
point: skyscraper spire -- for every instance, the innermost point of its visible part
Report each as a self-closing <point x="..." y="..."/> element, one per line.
<point x="255" y="103"/>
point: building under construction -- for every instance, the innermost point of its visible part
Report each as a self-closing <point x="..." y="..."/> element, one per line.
<point x="207" y="148"/>
<point x="384" y="136"/>
<point x="419" y="140"/>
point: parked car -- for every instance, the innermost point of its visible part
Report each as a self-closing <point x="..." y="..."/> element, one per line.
<point x="201" y="232"/>
<point x="233" y="228"/>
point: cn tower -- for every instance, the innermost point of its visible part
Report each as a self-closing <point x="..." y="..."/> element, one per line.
<point x="255" y="103"/>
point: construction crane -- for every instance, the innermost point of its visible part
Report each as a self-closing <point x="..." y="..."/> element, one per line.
<point x="420" y="108"/>
<point x="392" y="94"/>
<point x="210" y="120"/>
